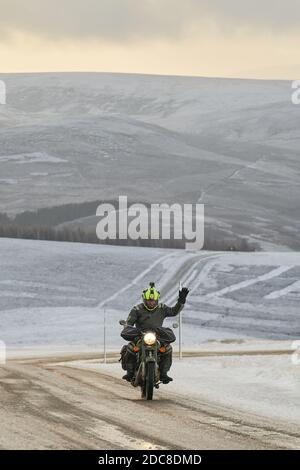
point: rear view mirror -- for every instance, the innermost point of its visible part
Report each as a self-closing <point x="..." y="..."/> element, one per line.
<point x="122" y="322"/>
<point x="175" y="325"/>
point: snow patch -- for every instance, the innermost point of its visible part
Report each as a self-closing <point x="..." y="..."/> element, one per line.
<point x="295" y="287"/>
<point x="34" y="157"/>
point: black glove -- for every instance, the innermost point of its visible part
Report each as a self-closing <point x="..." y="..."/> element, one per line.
<point x="183" y="295"/>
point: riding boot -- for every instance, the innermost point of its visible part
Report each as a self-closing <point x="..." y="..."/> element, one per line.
<point x="130" y="367"/>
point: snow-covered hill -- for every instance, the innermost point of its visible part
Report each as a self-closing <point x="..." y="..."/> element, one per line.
<point x="232" y="144"/>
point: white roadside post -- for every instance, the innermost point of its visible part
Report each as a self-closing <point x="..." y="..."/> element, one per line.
<point x="104" y="335"/>
<point x="180" y="329"/>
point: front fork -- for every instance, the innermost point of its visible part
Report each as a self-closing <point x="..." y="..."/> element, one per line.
<point x="147" y="355"/>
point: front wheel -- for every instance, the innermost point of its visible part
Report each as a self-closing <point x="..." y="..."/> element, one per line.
<point x="148" y="387"/>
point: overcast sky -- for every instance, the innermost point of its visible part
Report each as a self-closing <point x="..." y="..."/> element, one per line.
<point x="255" y="38"/>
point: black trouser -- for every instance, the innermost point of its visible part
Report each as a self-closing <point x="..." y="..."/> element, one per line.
<point x="165" y="362"/>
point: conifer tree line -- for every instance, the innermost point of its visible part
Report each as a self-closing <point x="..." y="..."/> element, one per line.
<point x="50" y="224"/>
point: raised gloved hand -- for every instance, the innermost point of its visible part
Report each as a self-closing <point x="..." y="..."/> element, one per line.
<point x="183" y="295"/>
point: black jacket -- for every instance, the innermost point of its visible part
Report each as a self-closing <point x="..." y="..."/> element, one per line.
<point x="143" y="318"/>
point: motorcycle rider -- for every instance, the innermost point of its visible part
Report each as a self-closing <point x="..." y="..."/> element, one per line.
<point x="150" y="315"/>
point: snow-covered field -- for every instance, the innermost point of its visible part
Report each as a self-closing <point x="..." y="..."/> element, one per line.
<point x="231" y="144"/>
<point x="55" y="293"/>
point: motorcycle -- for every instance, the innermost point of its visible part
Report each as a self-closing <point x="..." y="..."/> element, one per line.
<point x="147" y="350"/>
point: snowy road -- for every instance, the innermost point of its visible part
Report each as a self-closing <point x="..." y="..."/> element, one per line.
<point x="59" y="402"/>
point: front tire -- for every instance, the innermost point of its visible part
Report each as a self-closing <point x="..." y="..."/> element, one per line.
<point x="150" y="381"/>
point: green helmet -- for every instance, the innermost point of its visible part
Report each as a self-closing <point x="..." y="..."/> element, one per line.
<point x="151" y="297"/>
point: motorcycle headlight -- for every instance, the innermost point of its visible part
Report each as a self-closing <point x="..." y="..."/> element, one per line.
<point x="150" y="339"/>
